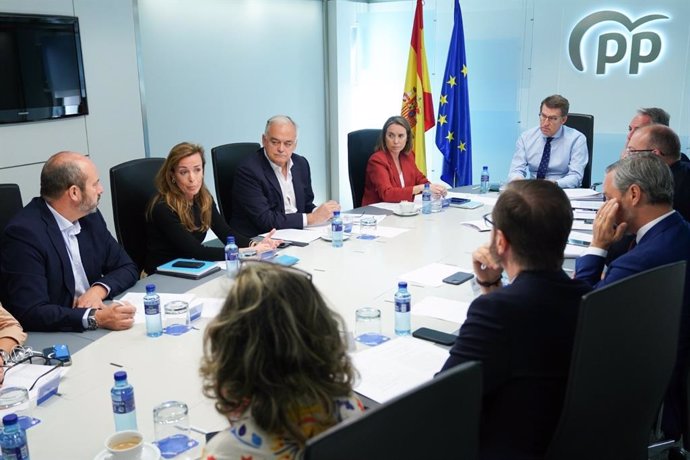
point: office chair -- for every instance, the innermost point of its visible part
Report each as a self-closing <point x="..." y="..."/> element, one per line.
<point x="10" y="203"/>
<point x="226" y="158"/>
<point x="585" y="124"/>
<point x="360" y="146"/>
<point x="439" y="419"/>
<point x="623" y="357"/>
<point x="132" y="187"/>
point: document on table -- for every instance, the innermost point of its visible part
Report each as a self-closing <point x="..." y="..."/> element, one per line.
<point x="297" y="235"/>
<point x="429" y="275"/>
<point x="438" y="307"/>
<point x="484" y="199"/>
<point x="595" y="205"/>
<point x="586" y="215"/>
<point x="582" y="225"/>
<point x="583" y="194"/>
<point x="394" y="367"/>
<point x="43" y="378"/>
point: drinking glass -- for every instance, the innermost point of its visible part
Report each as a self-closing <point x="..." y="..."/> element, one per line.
<point x="171" y="428"/>
<point x="176" y="317"/>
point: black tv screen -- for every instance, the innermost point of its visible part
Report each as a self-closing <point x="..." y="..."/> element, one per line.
<point x="41" y="70"/>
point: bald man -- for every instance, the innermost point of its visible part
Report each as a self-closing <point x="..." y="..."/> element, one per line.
<point x="58" y="261"/>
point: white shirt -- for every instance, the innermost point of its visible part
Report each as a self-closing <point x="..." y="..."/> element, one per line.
<point x="287" y="188"/>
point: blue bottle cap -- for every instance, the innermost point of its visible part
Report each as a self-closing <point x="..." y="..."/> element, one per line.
<point x="402" y="284"/>
<point x="150" y="288"/>
<point x="9" y="419"/>
<point x="230" y="240"/>
<point x="120" y="375"/>
<point x="336" y="213"/>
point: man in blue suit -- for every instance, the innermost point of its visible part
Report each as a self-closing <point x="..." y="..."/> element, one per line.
<point x="58" y="261"/>
<point x="639" y="194"/>
<point x="523" y="332"/>
<point x="272" y="188"/>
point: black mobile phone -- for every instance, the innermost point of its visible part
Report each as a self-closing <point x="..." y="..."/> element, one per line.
<point x="187" y="264"/>
<point x="284" y="244"/>
<point x="459" y="200"/>
<point x="458" y="278"/>
<point x="435" y="336"/>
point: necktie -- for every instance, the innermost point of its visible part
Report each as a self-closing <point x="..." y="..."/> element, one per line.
<point x="545" y="157"/>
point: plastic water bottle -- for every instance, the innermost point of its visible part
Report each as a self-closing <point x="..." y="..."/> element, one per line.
<point x="232" y="258"/>
<point x="152" y="312"/>
<point x="13" y="439"/>
<point x="403" y="302"/>
<point x="124" y="409"/>
<point x="484" y="184"/>
<point x="426" y="199"/>
<point x="337" y="230"/>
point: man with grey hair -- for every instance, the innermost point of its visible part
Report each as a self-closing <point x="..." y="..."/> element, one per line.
<point x="272" y="187"/>
<point x="639" y="198"/>
<point x="59" y="262"/>
<point x="645" y="117"/>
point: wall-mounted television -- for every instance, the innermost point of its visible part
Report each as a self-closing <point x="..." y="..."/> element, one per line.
<point x="41" y="68"/>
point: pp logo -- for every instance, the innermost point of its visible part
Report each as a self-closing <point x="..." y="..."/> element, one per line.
<point x="645" y="41"/>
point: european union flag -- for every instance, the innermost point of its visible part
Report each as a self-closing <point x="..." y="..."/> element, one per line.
<point x="453" y="136"/>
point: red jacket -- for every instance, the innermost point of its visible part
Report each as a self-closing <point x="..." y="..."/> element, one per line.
<point x="383" y="182"/>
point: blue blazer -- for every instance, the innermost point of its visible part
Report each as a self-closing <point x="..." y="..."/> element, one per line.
<point x="523" y="335"/>
<point x="36" y="282"/>
<point x="257" y="201"/>
<point x="668" y="241"/>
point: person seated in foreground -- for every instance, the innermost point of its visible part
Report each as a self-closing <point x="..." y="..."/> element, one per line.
<point x="392" y="175"/>
<point x="523" y="332"/>
<point x="276" y="364"/>
<point x="272" y="187"/>
<point x="551" y="151"/>
<point x="11" y="336"/>
<point x="639" y="198"/>
<point x="59" y="261"/>
<point x="183" y="211"/>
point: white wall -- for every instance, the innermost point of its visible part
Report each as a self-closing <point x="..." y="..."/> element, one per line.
<point x="214" y="71"/>
<point x="112" y="132"/>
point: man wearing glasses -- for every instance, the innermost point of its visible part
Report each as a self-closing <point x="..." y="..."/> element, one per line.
<point x="551" y="151"/>
<point x="272" y="187"/>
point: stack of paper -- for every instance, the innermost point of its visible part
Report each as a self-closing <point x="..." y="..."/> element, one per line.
<point x="583" y="194"/>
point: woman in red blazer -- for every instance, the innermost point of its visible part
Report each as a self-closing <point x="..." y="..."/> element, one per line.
<point x="392" y="174"/>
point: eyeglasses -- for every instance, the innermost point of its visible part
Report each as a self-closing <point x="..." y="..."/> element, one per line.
<point x="551" y="119"/>
<point x="487" y="219"/>
<point x="631" y="151"/>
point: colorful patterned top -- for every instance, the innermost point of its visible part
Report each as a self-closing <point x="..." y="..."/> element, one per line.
<point x="244" y="440"/>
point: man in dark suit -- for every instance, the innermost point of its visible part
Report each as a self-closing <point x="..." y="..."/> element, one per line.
<point x="272" y="188"/>
<point x="639" y="194"/>
<point x="523" y="332"/>
<point x="57" y="259"/>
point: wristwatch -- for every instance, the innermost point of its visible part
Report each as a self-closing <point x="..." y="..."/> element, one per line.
<point x="91" y="323"/>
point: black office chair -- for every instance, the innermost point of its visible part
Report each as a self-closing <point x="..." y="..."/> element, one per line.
<point x="10" y="203"/>
<point x="132" y="187"/>
<point x="226" y="158"/>
<point x="585" y="124"/>
<point x="623" y="357"/>
<point x="439" y="419"/>
<point x="360" y="146"/>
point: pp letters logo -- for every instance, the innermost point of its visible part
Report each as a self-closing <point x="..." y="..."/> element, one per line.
<point x="645" y="46"/>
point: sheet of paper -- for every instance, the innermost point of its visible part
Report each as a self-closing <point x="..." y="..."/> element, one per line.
<point x="573" y="252"/>
<point x="394" y="367"/>
<point x="429" y="275"/>
<point x="581" y="193"/>
<point x="577" y="204"/>
<point x="489" y="199"/>
<point x="300" y="236"/>
<point x="26" y="375"/>
<point x="137" y="299"/>
<point x="395" y="207"/>
<point x="438" y="307"/>
<point x="584" y="215"/>
<point x="582" y="225"/>
<point x="212" y="306"/>
<point x="580" y="238"/>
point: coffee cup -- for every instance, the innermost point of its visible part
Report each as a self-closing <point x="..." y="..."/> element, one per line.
<point x="125" y="445"/>
<point x="406" y="207"/>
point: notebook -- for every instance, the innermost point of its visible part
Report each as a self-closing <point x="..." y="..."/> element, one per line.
<point x="188" y="268"/>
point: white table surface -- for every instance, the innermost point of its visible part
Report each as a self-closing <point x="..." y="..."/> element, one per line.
<point x="361" y="273"/>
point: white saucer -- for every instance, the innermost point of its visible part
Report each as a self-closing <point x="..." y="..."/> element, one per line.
<point x="327" y="237"/>
<point x="406" y="214"/>
<point x="149" y="452"/>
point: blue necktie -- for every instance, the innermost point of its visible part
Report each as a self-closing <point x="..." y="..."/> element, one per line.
<point x="545" y="157"/>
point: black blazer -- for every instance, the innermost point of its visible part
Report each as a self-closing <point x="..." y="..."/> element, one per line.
<point x="37" y="284"/>
<point x="523" y="334"/>
<point x="257" y="201"/>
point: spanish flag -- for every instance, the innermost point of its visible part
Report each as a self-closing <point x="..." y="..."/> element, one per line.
<point x="417" y="105"/>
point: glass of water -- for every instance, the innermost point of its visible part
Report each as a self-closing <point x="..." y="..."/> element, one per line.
<point x="176" y="317"/>
<point x="171" y="428"/>
<point x="368" y="326"/>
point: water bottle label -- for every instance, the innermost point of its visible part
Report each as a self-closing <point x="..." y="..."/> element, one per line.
<point x="231" y="256"/>
<point x="402" y="307"/>
<point x="125" y="404"/>
<point x="337" y="227"/>
<point x="15" y="453"/>
<point x="152" y="308"/>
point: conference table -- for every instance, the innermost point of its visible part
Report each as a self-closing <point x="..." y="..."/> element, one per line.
<point x="75" y="423"/>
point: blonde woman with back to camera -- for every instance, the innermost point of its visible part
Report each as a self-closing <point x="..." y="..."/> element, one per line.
<point x="276" y="364"/>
